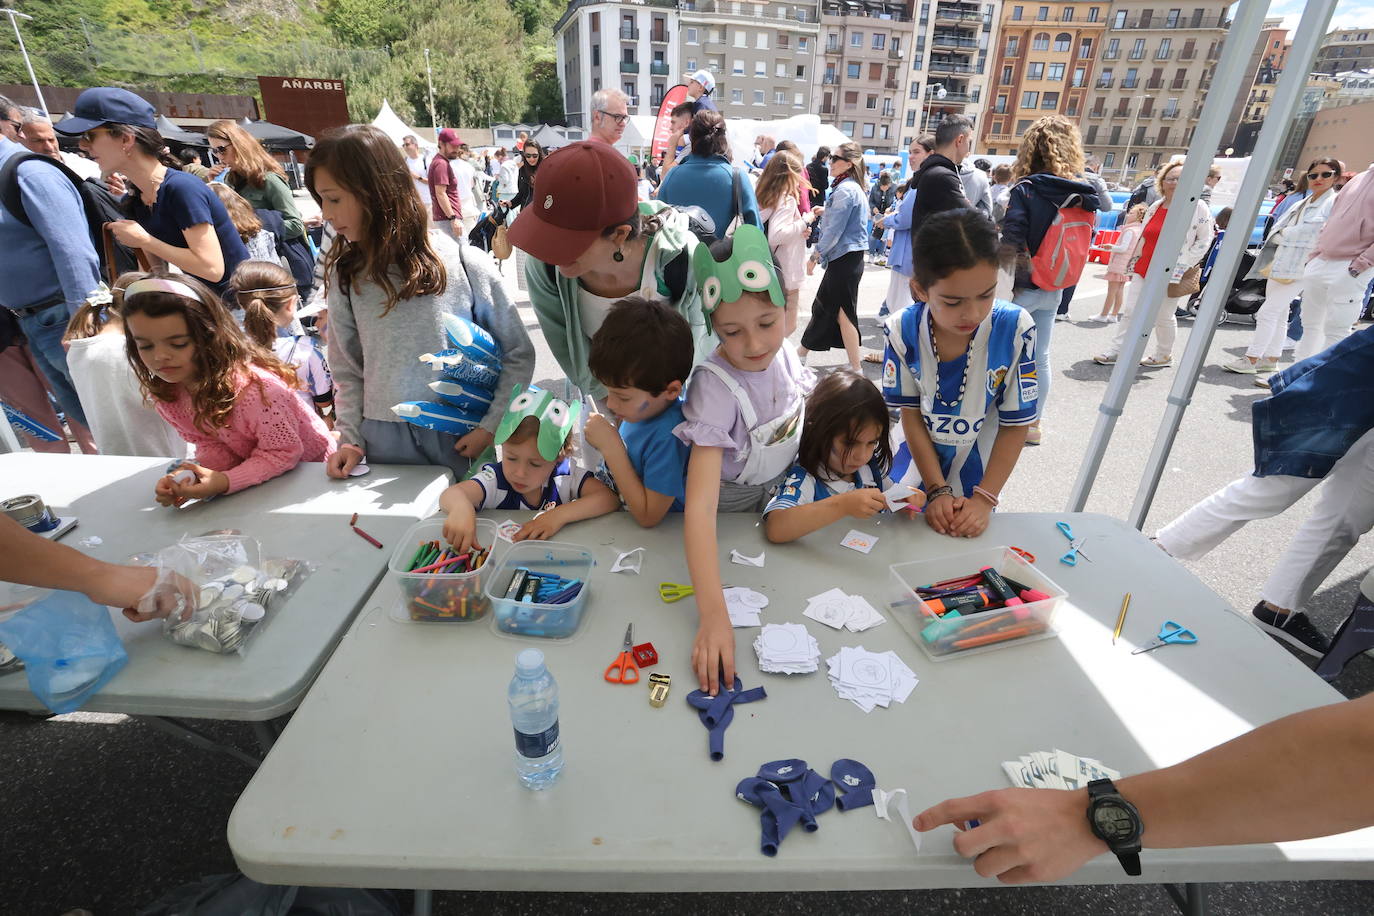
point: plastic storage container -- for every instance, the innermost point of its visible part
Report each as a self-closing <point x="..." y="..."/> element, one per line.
<point x="531" y="618"/>
<point x="443" y="597"/>
<point x="972" y="631"/>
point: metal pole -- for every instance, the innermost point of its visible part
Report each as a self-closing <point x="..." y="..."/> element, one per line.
<point x="1287" y="97"/>
<point x="1135" y="118"/>
<point x="24" y="51"/>
<point x="429" y="77"/>
<point x="1235" y="57"/>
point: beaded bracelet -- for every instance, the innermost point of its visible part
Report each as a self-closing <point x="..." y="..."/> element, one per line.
<point x="938" y="492"/>
<point x="986" y="495"/>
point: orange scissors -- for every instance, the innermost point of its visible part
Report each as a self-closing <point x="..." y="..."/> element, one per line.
<point x="624" y="670"/>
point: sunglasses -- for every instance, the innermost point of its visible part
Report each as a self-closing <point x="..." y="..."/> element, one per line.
<point x="531" y="156"/>
<point x="90" y="135"/>
<point x="218" y="150"/>
<point x="1313" y="176"/>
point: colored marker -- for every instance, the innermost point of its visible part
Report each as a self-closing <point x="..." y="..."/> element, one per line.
<point x="999" y="586"/>
<point x="967" y="601"/>
<point x="1000" y="636"/>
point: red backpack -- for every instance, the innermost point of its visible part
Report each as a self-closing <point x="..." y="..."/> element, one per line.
<point x="1058" y="262"/>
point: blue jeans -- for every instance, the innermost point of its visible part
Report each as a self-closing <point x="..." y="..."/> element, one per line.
<point x="44" y="332"/>
<point x="1042" y="305"/>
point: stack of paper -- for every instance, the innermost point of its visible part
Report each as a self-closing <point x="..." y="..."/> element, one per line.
<point x="836" y="609"/>
<point x="787" y="649"/>
<point x="1056" y="770"/>
<point x="743" y="606"/>
<point x="869" y="679"/>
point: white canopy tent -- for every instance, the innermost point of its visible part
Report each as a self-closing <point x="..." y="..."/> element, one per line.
<point x="389" y="123"/>
<point x="806" y="131"/>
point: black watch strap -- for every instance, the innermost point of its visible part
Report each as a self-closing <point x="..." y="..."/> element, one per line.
<point x="1124" y="837"/>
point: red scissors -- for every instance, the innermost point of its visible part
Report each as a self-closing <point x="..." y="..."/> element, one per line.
<point x="624" y="670"/>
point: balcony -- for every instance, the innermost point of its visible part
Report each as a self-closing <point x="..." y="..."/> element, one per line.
<point x="1179" y="84"/>
<point x="1164" y="54"/>
<point x="1170" y="114"/>
<point x="828" y="109"/>
<point x="1137" y="55"/>
<point x="893" y="13"/>
<point x="1188" y="54"/>
<point x="1121" y="113"/>
<point x="1130" y="83"/>
<point x="831" y="79"/>
<point x="894" y="53"/>
<point x="1111" y="55"/>
<point x="659" y="69"/>
<point x="659" y="37"/>
<point x="1012" y="51"/>
<point x="1150" y="23"/>
<point x="834" y="49"/>
<point x="1106" y="83"/>
<point x="953" y="41"/>
<point x="1153" y="83"/>
<point x="891" y="84"/>
<point x="947" y="14"/>
<point x="629" y="66"/>
<point x="629" y="33"/>
<point x="949" y="66"/>
<point x="1097" y="114"/>
<point x="784" y="44"/>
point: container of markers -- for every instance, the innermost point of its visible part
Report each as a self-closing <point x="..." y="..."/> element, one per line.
<point x="974" y="602"/>
<point x="539" y="589"/>
<point x="438" y="584"/>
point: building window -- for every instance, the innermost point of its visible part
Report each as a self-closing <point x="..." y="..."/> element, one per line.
<point x="1113" y="49"/>
<point x="1138" y="49"/>
<point x="758" y="97"/>
<point x="911" y="118"/>
<point x="779" y="97"/>
<point x="692" y="37"/>
<point x="780" y="71"/>
<point x="741" y="38"/>
<point x="856" y="39"/>
<point x="879" y="41"/>
<point x="803" y="44"/>
<point x="871" y="103"/>
<point x="797" y="100"/>
<point x="1030" y="99"/>
<point x="1063" y="42"/>
<point x="915" y="90"/>
<point x="1035" y="71"/>
<point x="1080" y="77"/>
<point x="867" y="132"/>
<point x="737" y="96"/>
<point x="1119" y="19"/>
<point x="1092" y="14"/>
<point x="596" y="55"/>
<point x="596" y="22"/>
<point x="851" y="70"/>
<point x="801" y="71"/>
<point x="1013" y="45"/>
<point x="691" y="64"/>
<point x="1067" y="15"/>
<point x="1171" y="21"/>
<point x="1132" y="160"/>
<point x="1016" y="13"/>
<point x="1006" y="76"/>
<point x="1022" y="126"/>
<point x="1109" y="159"/>
<point x="847" y="127"/>
<point x="1085" y="48"/>
<point x="1044" y="13"/>
<point x="761" y="41"/>
<point x="1050" y="101"/>
<point x="738" y="68"/>
<point x="1001" y="107"/>
<point x="875" y="72"/>
<point x="1041" y="42"/>
<point x="884" y="133"/>
<point x="1056" y="72"/>
<point x="760" y="69"/>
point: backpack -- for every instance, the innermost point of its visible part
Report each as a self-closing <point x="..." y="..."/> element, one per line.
<point x="101" y="207"/>
<point x="1058" y="260"/>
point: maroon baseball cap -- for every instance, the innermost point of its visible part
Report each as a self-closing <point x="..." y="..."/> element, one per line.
<point x="579" y="191"/>
<point x="449" y="135"/>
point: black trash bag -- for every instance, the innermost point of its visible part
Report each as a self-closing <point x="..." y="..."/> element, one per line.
<point x="237" y="895"/>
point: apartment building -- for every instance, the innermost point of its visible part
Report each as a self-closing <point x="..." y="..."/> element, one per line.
<point x="1154" y="71"/>
<point x="762" y="54"/>
<point x="1045" y="57"/>
<point x="949" y="62"/>
<point x="1251" y="107"/>
<point x="860" y="69"/>
<point x="1346" y="49"/>
<point x="631" y="46"/>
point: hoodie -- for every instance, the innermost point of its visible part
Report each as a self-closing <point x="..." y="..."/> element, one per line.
<point x="1031" y="208"/>
<point x="938" y="188"/>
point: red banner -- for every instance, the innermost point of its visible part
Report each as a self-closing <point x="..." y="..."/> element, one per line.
<point x="663" y="127"/>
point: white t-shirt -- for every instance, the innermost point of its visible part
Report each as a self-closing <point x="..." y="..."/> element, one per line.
<point x="420" y="169"/>
<point x="464" y="176"/>
<point x="120" y="422"/>
<point x="593" y="309"/>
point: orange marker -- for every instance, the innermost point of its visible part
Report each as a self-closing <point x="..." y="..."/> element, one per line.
<point x="999" y="636"/>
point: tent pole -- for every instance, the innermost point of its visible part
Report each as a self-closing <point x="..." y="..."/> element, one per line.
<point x="1229" y="72"/>
<point x="1287" y="97"/>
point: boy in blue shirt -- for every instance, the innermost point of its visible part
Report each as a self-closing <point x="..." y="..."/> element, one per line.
<point x="642" y="353"/>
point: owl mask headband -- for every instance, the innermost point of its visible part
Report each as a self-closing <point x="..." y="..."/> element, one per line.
<point x="749" y="269"/>
<point x="556" y="418"/>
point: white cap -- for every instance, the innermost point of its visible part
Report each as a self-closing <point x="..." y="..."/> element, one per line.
<point x="708" y="82"/>
<point x="529" y="662"/>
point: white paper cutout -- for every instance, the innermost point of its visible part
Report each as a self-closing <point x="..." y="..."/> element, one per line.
<point x="742" y="560"/>
<point x="629" y="561"/>
<point x="859" y="540"/>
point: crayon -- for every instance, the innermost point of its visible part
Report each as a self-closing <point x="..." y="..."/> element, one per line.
<point x="367" y="537"/>
<point x="354" y="520"/>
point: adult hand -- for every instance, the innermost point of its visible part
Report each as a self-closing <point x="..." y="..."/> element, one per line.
<point x="864" y="502"/>
<point x="713" y="650"/>
<point x="473" y="444"/>
<point x="1024" y="835"/>
<point x="116" y="185"/>
<point x="343" y="461"/>
<point x="940" y="513"/>
<point x="127" y="232"/>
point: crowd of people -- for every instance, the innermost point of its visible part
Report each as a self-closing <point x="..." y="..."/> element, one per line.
<point x="667" y="292"/>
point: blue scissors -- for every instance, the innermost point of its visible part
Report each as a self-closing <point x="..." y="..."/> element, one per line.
<point x="1075" y="545"/>
<point x="1169" y="635"/>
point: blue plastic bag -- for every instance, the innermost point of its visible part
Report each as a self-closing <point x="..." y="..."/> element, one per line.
<point x="67" y="642"/>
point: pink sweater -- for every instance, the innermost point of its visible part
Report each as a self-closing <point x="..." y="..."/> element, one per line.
<point x="270" y="431"/>
<point x="1348" y="234"/>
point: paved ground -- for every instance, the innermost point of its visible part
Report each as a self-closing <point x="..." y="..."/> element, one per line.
<point x="105" y="813"/>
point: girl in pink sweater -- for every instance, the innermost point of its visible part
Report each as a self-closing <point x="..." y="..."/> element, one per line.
<point x="230" y="398"/>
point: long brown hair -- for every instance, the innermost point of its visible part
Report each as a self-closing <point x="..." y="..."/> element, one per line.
<point x="93" y="315"/>
<point x="854" y="155"/>
<point x="366" y="163"/>
<point x="252" y="162"/>
<point x="842" y="403"/>
<point x="262" y="289"/>
<point x="781" y="178"/>
<point x="241" y="212"/>
<point x="222" y="352"/>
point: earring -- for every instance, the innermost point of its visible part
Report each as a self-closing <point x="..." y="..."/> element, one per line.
<point x="617" y="255"/>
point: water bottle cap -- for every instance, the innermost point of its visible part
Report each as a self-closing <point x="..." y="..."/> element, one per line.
<point x="529" y="661"/>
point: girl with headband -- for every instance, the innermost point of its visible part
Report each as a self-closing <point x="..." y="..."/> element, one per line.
<point x="231" y="399"/>
<point x="268" y="295"/>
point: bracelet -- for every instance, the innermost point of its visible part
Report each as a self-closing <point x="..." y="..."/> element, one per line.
<point x="986" y="495"/>
<point x="938" y="492"/>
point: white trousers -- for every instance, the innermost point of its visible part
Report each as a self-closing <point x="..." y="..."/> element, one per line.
<point x="1330" y="304"/>
<point x="1344" y="512"/>
<point x="898" y="292"/>
<point x="1271" y="321"/>
<point x="1166" y="325"/>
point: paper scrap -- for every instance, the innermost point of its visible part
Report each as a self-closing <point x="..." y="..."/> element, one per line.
<point x="881" y="801"/>
<point x="787" y="649"/>
<point x="742" y="560"/>
<point x="859" y="540"/>
<point x="836" y="609"/>
<point x="870" y="679"/>
<point x="508" y="529"/>
<point x="359" y="470"/>
<point x="628" y="561"/>
<point x="743" y="605"/>
<point x="1055" y="770"/>
<point x="897" y="494"/>
<point x="92" y="541"/>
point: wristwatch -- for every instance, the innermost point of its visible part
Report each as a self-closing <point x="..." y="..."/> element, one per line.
<point x="1115" y="822"/>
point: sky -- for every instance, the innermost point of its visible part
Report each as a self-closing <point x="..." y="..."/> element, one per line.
<point x="1349" y="14"/>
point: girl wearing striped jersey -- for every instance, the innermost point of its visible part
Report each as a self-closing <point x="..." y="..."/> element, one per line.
<point x="846" y="453"/>
<point x="961" y="366"/>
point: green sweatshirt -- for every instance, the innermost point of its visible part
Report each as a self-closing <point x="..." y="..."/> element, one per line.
<point x="273" y="195"/>
<point x="555" y="299"/>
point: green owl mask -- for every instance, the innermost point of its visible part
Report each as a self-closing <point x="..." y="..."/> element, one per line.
<point x="749" y="270"/>
<point x="556" y="418"/>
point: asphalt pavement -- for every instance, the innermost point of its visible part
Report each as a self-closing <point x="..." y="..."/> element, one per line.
<point x="104" y="812"/>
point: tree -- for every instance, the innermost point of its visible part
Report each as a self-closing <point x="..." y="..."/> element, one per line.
<point x="475" y="51"/>
<point x="546" y="97"/>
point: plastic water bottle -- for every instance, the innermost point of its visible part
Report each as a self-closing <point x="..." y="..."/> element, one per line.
<point x="533" y="698"/>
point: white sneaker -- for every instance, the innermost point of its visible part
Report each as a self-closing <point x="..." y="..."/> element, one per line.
<point x="1241" y="365"/>
<point x="1105" y="359"/>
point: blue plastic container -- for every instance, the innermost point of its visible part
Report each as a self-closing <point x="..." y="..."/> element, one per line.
<point x="530" y="618"/>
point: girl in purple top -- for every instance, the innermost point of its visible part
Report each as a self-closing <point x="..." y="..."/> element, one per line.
<point x="742" y="418"/>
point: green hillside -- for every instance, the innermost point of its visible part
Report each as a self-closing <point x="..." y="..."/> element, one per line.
<point x="491" y="61"/>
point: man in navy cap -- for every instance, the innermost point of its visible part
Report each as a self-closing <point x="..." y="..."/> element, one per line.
<point x="48" y="260"/>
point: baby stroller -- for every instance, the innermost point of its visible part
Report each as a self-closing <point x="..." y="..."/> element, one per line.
<point x="1245" y="296"/>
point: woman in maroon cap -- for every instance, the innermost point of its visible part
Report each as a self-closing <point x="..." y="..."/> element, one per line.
<point x="591" y="243"/>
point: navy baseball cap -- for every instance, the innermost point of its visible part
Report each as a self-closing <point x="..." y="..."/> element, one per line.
<point x="107" y="105"/>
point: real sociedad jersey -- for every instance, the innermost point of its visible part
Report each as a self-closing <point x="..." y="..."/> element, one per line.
<point x="564" y="485"/>
<point x="1003" y="389"/>
<point x="801" y="487"/>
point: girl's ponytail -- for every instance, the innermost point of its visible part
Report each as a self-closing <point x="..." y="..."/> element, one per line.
<point x="259" y="322"/>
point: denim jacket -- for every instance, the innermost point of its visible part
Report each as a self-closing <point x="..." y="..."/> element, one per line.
<point x="844" y="224"/>
<point x="1318" y="409"/>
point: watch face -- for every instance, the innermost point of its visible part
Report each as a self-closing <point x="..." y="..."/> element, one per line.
<point x="1114" y="823"/>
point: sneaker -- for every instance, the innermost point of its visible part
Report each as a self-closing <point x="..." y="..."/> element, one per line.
<point x="1261" y="383"/>
<point x="1293" y="628"/>
<point x="1101" y="319"/>
<point x="1241" y="365"/>
<point x="1033" y="436"/>
<point x="1267" y="366"/>
<point x="1157" y="362"/>
<point x="1182" y="313"/>
<point x="1105" y="359"/>
<point x="1289" y="345"/>
<point x="1063" y="317"/>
